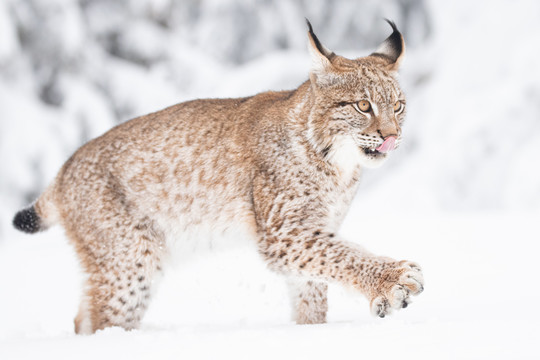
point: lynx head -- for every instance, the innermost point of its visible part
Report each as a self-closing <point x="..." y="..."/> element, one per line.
<point x="358" y="105"/>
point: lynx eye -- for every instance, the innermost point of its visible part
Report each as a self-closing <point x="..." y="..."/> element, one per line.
<point x="398" y="106"/>
<point x="363" y="106"/>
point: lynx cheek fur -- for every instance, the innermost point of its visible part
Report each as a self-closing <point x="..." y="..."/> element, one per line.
<point x="284" y="164"/>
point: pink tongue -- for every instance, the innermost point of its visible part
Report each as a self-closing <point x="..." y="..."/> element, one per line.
<point x="387" y="145"/>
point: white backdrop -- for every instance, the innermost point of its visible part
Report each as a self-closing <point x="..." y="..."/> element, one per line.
<point x="462" y="193"/>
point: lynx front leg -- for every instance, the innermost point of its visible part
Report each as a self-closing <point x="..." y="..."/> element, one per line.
<point x="308" y="300"/>
<point x="388" y="284"/>
<point x="296" y="241"/>
<point x="394" y="284"/>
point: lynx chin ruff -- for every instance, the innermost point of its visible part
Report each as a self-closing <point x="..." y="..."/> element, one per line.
<point x="283" y="164"/>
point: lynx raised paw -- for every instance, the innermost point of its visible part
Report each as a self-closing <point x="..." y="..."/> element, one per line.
<point x="396" y="286"/>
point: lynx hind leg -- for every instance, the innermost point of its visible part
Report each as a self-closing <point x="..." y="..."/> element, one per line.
<point x="120" y="280"/>
<point x="308" y="300"/>
<point x="83" y="324"/>
<point x="395" y="286"/>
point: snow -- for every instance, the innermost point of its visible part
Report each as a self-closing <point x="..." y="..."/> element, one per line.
<point x="478" y="301"/>
<point x="461" y="196"/>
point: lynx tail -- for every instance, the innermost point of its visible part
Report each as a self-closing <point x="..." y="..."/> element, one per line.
<point x="38" y="216"/>
<point x="27" y="220"/>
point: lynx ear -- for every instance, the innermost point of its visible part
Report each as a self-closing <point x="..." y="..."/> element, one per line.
<point x="320" y="55"/>
<point x="392" y="49"/>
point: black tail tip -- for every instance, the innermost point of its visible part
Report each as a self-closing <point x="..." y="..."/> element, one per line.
<point x="27" y="221"/>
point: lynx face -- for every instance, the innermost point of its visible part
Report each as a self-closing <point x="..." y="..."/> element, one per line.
<point x="359" y="102"/>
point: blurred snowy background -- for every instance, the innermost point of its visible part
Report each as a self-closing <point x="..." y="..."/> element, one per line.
<point x="464" y="184"/>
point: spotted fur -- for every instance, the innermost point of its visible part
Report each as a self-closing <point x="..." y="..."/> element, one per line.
<point x="283" y="166"/>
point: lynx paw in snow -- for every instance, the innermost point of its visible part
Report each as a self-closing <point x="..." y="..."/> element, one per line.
<point x="396" y="286"/>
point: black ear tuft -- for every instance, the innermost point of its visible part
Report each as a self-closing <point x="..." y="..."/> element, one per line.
<point x="310" y="28"/>
<point x="393" y="48"/>
<point x="392" y="24"/>
<point x="316" y="41"/>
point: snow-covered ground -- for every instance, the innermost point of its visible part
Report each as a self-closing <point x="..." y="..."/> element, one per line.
<point x="462" y="194"/>
<point x="479" y="303"/>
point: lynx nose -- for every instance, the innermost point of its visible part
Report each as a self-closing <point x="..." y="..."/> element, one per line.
<point x="388" y="145"/>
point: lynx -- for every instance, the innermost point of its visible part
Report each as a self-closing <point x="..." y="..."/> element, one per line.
<point x="285" y="165"/>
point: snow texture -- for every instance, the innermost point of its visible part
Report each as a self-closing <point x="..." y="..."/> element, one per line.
<point x="462" y="193"/>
